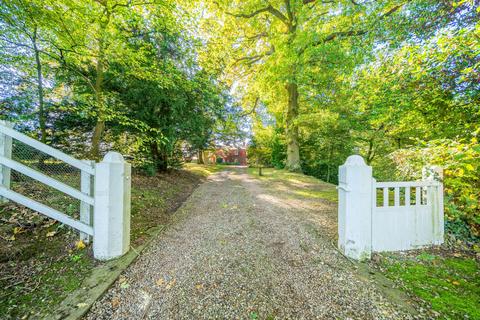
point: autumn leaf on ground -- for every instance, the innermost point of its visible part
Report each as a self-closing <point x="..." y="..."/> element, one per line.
<point x="49" y="223"/>
<point x="115" y="302"/>
<point x="160" y="282"/>
<point x="80" y="245"/>
<point x="171" y="284"/>
<point x="18" y="230"/>
<point x="51" y="234"/>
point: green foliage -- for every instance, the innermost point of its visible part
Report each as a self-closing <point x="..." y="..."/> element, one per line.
<point x="410" y="88"/>
<point x="461" y="163"/>
<point x="449" y="284"/>
<point x="267" y="147"/>
<point x="396" y="82"/>
<point x="116" y="75"/>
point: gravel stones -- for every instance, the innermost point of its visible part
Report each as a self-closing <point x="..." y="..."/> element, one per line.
<point x="245" y="249"/>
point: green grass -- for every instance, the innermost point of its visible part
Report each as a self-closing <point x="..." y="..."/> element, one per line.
<point x="47" y="284"/>
<point x="300" y="185"/>
<point x="203" y="169"/>
<point x="450" y="285"/>
<point x="331" y="195"/>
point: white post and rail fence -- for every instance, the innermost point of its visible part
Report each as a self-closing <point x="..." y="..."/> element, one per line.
<point x="387" y="216"/>
<point x="104" y="193"/>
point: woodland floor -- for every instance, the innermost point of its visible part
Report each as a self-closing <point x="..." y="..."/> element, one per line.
<point x="248" y="247"/>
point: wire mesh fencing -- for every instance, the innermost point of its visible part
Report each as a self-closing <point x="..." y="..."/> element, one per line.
<point x="51" y="167"/>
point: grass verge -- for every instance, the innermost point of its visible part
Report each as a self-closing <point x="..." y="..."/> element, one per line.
<point x="40" y="263"/>
<point x="301" y="185"/>
<point x="445" y="283"/>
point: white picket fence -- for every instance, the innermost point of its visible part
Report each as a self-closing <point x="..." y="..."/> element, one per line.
<point x="104" y="193"/>
<point x="387" y="216"/>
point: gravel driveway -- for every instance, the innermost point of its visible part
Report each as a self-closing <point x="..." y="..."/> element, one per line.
<point x="242" y="248"/>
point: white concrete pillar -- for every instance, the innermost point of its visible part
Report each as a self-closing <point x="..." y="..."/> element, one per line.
<point x="435" y="195"/>
<point x="5" y="151"/>
<point x="111" y="221"/>
<point x="355" y="208"/>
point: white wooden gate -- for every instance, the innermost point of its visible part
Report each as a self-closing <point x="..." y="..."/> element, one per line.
<point x="387" y="216"/>
<point x="102" y="186"/>
<point x="412" y="219"/>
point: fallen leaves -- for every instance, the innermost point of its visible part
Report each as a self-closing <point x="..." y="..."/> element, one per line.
<point x="115" y="302"/>
<point x="171" y="284"/>
<point x="18" y="230"/>
<point x="123" y="282"/>
<point x="51" y="234"/>
<point x="165" y="283"/>
<point x="80" y="245"/>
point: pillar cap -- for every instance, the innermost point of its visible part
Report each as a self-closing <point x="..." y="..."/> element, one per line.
<point x="355" y="160"/>
<point x="113" y="157"/>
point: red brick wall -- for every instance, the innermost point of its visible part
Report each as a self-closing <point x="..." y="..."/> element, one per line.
<point x="233" y="155"/>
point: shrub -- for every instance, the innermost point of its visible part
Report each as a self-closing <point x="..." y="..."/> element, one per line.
<point x="461" y="163"/>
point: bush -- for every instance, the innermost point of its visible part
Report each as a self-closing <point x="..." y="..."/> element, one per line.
<point x="461" y="163"/>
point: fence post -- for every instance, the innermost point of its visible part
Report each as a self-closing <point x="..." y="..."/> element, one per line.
<point x="355" y="192"/>
<point x="435" y="194"/>
<point x="5" y="151"/>
<point x="111" y="221"/>
<point x="86" y="186"/>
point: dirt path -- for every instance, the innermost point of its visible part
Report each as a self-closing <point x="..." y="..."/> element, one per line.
<point x="245" y="249"/>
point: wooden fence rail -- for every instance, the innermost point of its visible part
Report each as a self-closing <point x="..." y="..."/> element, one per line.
<point x="104" y="193"/>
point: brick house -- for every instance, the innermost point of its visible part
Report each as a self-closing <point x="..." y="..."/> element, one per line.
<point x="231" y="155"/>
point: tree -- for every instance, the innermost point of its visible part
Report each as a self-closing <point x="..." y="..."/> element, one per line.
<point x="273" y="44"/>
<point x="23" y="23"/>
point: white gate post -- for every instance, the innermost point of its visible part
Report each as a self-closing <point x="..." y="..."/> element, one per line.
<point x="5" y="151"/>
<point x="355" y="208"/>
<point x="111" y="221"/>
<point x="435" y="194"/>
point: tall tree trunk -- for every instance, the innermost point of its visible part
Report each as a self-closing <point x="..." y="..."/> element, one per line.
<point x="162" y="158"/>
<point x="200" y="157"/>
<point x="100" y="125"/>
<point x="330" y="156"/>
<point x="371" y="151"/>
<point x="293" y="150"/>
<point x="41" y="105"/>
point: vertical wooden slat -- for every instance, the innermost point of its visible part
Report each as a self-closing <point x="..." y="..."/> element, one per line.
<point x="427" y="195"/>
<point x="397" y="197"/>
<point x="385" y="197"/>
<point x="417" y="196"/>
<point x="407" y="196"/>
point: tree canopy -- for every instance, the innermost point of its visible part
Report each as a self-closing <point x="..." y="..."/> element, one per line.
<point x="313" y="81"/>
